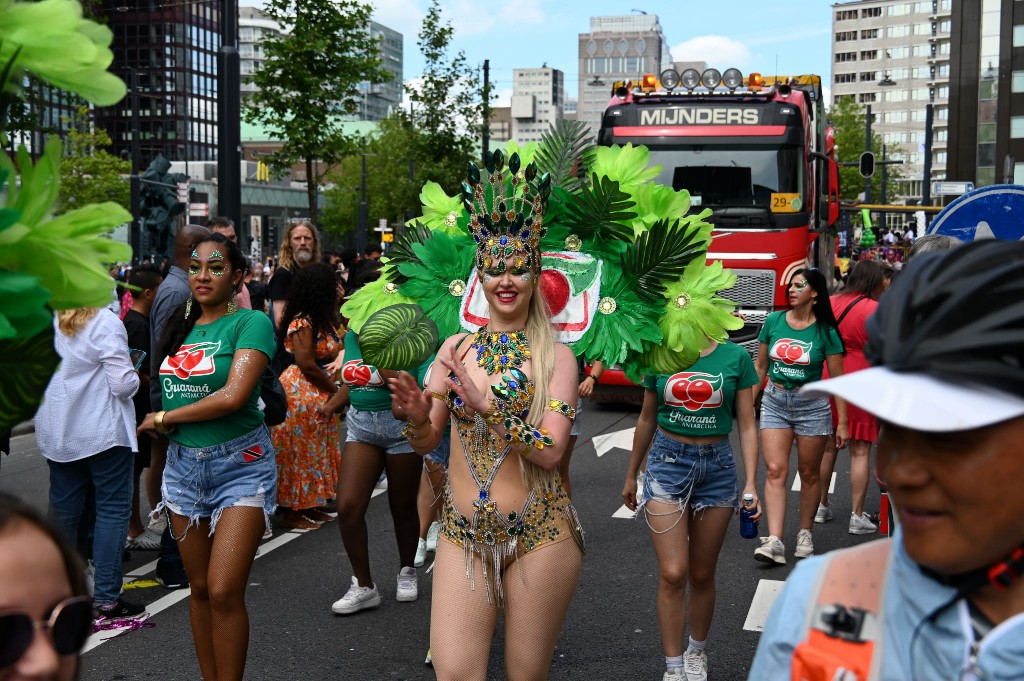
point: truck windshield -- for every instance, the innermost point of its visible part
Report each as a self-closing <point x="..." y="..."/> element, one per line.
<point x="733" y="175"/>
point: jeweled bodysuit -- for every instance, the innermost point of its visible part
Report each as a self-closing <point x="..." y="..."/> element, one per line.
<point x="488" y="531"/>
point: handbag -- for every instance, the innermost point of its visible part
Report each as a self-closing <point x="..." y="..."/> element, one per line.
<point x="275" y="404"/>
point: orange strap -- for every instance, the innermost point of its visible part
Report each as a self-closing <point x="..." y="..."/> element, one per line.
<point x="844" y="624"/>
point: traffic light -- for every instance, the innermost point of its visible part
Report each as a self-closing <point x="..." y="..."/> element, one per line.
<point x="867" y="164"/>
<point x="159" y="204"/>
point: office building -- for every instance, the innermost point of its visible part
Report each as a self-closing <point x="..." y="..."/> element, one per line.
<point x="538" y="97"/>
<point x="987" y="110"/>
<point x="379" y="100"/>
<point x="172" y="49"/>
<point x="894" y="55"/>
<point x="254" y="27"/>
<point x="616" y="48"/>
<point x="500" y="126"/>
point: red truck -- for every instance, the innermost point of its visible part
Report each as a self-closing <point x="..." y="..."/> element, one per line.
<point x="757" y="151"/>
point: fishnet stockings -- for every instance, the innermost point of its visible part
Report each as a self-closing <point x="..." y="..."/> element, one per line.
<point x="218" y="570"/>
<point x="539" y="586"/>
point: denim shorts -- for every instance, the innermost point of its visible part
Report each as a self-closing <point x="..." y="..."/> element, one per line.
<point x="442" y="453"/>
<point x="200" y="482"/>
<point x="378" y="428"/>
<point x="806" y="416"/>
<point x="698" y="476"/>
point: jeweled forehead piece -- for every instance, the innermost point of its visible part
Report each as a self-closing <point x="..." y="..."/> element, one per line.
<point x="506" y="211"/>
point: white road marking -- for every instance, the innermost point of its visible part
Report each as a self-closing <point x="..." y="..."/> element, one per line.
<point x="101" y="637"/>
<point x="831" y="484"/>
<point x="764" y="598"/>
<point x="620" y="439"/>
<point x="624" y="512"/>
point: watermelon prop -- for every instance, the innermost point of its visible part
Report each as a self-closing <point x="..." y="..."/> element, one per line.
<point x="398" y="337"/>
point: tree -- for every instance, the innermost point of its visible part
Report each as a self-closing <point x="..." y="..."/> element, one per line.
<point x="310" y="80"/>
<point x="88" y="173"/>
<point x="850" y="121"/>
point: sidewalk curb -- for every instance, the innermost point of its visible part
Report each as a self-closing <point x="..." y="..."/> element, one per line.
<point x="23" y="428"/>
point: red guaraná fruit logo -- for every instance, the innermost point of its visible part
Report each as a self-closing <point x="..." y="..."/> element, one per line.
<point x="693" y="390"/>
<point x="791" y="351"/>
<point x="356" y="373"/>
<point x="191" y="360"/>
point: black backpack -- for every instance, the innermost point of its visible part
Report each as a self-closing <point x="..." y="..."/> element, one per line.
<point x="275" y="404"/>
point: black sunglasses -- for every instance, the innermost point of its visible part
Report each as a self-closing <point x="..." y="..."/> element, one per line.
<point x="69" y="624"/>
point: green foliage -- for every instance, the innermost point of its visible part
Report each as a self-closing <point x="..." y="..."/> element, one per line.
<point x="398" y="337"/>
<point x="850" y="121"/>
<point x="566" y="153"/>
<point x="602" y="211"/>
<point x="88" y="173"/>
<point x="660" y="255"/>
<point x="27" y="365"/>
<point x="310" y="78"/>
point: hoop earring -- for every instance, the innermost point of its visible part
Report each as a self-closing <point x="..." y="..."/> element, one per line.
<point x="233" y="304"/>
<point x="188" y="306"/>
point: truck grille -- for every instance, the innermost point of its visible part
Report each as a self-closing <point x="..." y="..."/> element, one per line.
<point x="753" y="288"/>
<point x="746" y="337"/>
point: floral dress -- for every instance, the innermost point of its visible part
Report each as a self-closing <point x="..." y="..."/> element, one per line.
<point x="307" y="448"/>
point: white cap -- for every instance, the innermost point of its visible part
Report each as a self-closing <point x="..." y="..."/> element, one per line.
<point x="920" y="401"/>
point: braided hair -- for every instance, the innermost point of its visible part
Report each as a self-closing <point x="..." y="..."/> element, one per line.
<point x="956" y="315"/>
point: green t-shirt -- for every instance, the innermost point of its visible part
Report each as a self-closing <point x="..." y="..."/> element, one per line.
<point x="201" y="367"/>
<point x="796" y="358"/>
<point x="700" y="401"/>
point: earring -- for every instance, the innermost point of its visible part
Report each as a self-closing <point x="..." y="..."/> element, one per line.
<point x="188" y="306"/>
<point x="233" y="304"/>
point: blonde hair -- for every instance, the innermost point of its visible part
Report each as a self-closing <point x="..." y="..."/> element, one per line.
<point x="284" y="258"/>
<point x="542" y="360"/>
<point x="71" y="322"/>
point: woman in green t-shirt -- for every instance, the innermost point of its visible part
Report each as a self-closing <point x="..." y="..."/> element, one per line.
<point x="690" y="488"/>
<point x="794" y="347"/>
<point x="219" y="484"/>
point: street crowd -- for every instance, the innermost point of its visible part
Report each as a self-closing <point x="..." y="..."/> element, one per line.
<point x="220" y="393"/>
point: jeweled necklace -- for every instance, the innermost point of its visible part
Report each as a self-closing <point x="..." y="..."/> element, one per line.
<point x="500" y="351"/>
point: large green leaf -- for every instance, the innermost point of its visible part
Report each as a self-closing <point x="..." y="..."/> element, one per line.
<point x="602" y="211"/>
<point x="26" y="365"/>
<point x="398" y="337"/>
<point x="566" y="153"/>
<point x="660" y="256"/>
<point x="401" y="250"/>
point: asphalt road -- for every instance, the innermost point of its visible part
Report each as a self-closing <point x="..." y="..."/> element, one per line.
<point x="611" y="631"/>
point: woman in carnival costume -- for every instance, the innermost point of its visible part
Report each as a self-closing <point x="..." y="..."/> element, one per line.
<point x="539" y="268"/>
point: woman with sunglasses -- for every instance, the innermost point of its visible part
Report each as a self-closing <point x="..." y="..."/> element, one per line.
<point x="795" y="345"/>
<point x="45" y="612"/>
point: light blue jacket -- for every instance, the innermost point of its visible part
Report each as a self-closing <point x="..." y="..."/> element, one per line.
<point x="913" y="648"/>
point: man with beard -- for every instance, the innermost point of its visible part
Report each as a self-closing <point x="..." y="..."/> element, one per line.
<point x="301" y="246"/>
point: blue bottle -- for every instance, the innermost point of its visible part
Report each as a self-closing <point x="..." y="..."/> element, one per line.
<point x="748" y="527"/>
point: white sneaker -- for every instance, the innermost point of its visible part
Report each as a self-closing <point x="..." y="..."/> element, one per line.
<point x="148" y="540"/>
<point x="408" y="591"/>
<point x="435" y="529"/>
<point x="429" y="661"/>
<point x="695" y="666"/>
<point x="357" y="598"/>
<point x="158" y="524"/>
<point x="861" y="524"/>
<point x="824" y="514"/>
<point x="771" y="550"/>
<point x="804" y="544"/>
<point x="382" y="482"/>
<point x="674" y="675"/>
<point x="421" y="553"/>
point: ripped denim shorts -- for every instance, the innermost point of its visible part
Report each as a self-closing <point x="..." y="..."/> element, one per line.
<point x="200" y="482"/>
<point x="697" y="476"/>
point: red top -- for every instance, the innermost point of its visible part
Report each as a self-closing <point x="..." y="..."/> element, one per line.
<point x="853" y="331"/>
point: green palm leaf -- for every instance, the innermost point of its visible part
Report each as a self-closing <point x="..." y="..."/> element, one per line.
<point x="26" y="365"/>
<point x="398" y="337"/>
<point x="566" y="153"/>
<point x="401" y="250"/>
<point x="660" y="256"/>
<point x="602" y="212"/>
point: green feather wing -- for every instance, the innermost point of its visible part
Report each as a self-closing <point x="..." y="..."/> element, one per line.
<point x="627" y="165"/>
<point x="371" y="298"/>
<point x="566" y="153"/>
<point x="440" y="211"/>
<point x="630" y="328"/>
<point x="437" y="278"/>
<point x="660" y="256"/>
